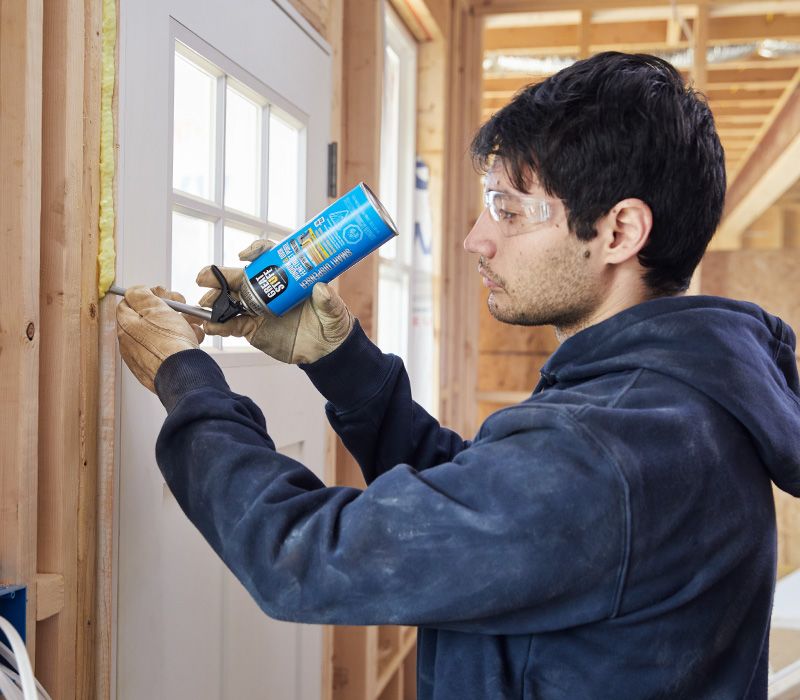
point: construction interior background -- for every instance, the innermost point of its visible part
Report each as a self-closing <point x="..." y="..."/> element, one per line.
<point x="405" y="79"/>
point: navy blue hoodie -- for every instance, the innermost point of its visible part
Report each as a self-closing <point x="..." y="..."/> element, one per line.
<point x="613" y="536"/>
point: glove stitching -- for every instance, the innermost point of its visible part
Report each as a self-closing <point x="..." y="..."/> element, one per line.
<point x="160" y="331"/>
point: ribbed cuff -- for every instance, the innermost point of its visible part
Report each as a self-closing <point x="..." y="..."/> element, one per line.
<point x="186" y="371"/>
<point x="351" y="374"/>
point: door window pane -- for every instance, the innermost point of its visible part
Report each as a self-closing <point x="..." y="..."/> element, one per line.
<point x="284" y="172"/>
<point x="192" y="250"/>
<point x="393" y="314"/>
<point x="242" y="153"/>
<point x="193" y="129"/>
<point x="234" y="241"/>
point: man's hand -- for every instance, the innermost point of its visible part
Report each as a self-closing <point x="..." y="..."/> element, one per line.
<point x="304" y="334"/>
<point x="149" y="331"/>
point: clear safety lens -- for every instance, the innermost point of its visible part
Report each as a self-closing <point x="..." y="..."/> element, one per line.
<point x="516" y="214"/>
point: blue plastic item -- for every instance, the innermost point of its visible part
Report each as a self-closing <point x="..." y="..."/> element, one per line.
<point x="12" y="607"/>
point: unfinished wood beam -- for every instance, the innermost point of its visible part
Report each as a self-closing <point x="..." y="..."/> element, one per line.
<point x="700" y="34"/>
<point x="355" y="649"/>
<point x="20" y="206"/>
<point x="361" y="139"/>
<point x="755" y="28"/>
<point x="768" y="120"/>
<point x="49" y="595"/>
<point x="59" y="358"/>
<point x="358" y="113"/>
<point x="750" y="86"/>
<point x="742" y="106"/>
<point x="418" y="18"/>
<point x="508" y="86"/>
<point x="746" y="76"/>
<point x="69" y="361"/>
<point x="757" y="63"/>
<point x="492" y="7"/>
<point x="460" y="290"/>
<point x="584" y="34"/>
<point x="758" y="96"/>
<point x="767" y="232"/>
<point x="98" y="351"/>
<point x="770" y="170"/>
<point x="641" y="35"/>
<point x="431" y="129"/>
<point x="674" y="32"/>
<point x="740" y="120"/>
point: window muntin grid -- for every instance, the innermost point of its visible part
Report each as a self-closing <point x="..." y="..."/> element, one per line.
<point x="238" y="166"/>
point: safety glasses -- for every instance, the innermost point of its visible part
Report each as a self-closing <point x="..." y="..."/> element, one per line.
<point x="516" y="214"/>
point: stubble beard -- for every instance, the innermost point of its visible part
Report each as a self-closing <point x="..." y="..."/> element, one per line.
<point x="557" y="293"/>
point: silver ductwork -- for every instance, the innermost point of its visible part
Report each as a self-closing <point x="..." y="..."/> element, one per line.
<point x="497" y="64"/>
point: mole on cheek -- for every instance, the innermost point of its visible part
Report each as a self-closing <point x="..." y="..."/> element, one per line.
<point x="587" y="254"/>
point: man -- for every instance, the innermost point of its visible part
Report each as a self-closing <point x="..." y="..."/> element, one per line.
<point x="613" y="536"/>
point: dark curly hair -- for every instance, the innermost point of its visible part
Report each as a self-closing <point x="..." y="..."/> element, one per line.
<point x="611" y="127"/>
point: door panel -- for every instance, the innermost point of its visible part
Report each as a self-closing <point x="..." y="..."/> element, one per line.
<point x="185" y="628"/>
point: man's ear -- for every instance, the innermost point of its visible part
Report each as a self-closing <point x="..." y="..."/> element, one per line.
<point x="625" y="230"/>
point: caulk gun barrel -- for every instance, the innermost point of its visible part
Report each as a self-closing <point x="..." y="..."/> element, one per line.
<point x="198" y="311"/>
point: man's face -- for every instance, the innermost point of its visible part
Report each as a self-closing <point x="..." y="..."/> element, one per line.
<point x="545" y="276"/>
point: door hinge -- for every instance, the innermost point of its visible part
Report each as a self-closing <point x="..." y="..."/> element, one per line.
<point x="333" y="156"/>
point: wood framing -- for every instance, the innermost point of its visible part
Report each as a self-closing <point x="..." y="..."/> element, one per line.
<point x="359" y="149"/>
<point x="496" y="7"/>
<point x="20" y="206"/>
<point x="69" y="360"/>
<point x="585" y="34"/>
<point x="59" y="358"/>
<point x="744" y="94"/>
<point x="768" y="172"/>
<point x="418" y="18"/>
<point x="700" y="34"/>
<point x="357" y="114"/>
<point x="97" y="398"/>
<point x="431" y="121"/>
<point x="458" y="368"/>
<point x="626" y="36"/>
<point x="49" y="291"/>
<point x="366" y="663"/>
<point x="316" y="12"/>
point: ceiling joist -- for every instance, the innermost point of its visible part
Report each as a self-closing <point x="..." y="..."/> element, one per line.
<point x="754" y="99"/>
<point x="635" y="35"/>
<point x="496" y="7"/>
<point x="769" y="168"/>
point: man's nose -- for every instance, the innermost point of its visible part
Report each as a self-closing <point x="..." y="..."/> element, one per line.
<point x="481" y="239"/>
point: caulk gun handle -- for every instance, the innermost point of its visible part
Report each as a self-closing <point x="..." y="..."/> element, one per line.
<point x="197" y="311"/>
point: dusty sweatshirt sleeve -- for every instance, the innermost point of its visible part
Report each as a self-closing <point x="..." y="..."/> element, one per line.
<point x="513" y="535"/>
<point x="370" y="407"/>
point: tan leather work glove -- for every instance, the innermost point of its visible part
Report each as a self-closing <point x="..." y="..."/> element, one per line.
<point x="304" y="334"/>
<point x="149" y="331"/>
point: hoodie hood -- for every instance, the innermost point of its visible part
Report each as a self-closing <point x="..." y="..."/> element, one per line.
<point x="734" y="352"/>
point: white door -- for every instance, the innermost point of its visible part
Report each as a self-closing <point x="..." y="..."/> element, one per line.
<point x="224" y="111"/>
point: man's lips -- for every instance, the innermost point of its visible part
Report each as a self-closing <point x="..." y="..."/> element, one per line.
<point x="487" y="280"/>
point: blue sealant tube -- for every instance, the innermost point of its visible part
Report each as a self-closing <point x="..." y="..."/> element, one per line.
<point x="341" y="235"/>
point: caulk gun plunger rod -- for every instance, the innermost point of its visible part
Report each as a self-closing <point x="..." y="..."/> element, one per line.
<point x="198" y="311"/>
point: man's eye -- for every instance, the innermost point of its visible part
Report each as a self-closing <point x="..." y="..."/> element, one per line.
<point x="508" y="215"/>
